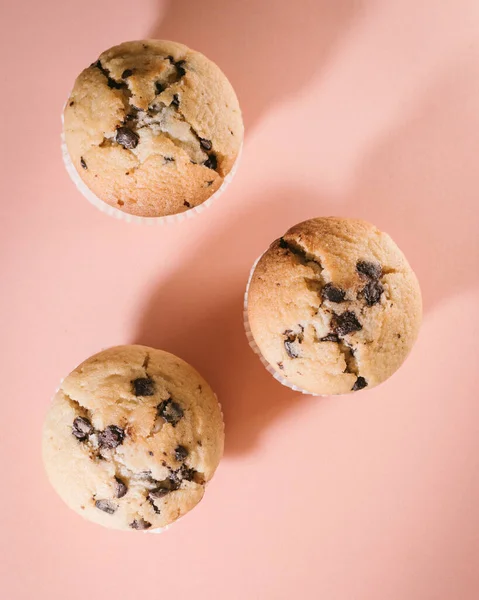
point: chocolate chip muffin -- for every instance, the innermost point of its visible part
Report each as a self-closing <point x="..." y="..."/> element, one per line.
<point x="333" y="306"/>
<point x="152" y="129"/>
<point x="132" y="437"/>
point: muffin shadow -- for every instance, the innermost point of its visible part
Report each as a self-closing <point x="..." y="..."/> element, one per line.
<point x="197" y="314"/>
<point x="249" y="40"/>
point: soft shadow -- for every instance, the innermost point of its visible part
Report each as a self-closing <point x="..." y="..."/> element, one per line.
<point x="268" y="49"/>
<point x="420" y="185"/>
<point x="197" y="314"/>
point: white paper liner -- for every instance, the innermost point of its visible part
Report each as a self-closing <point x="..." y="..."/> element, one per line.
<point x="255" y="347"/>
<point x="166" y="527"/>
<point x="119" y="214"/>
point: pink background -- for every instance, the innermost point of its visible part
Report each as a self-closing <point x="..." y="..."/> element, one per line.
<point x="367" y="109"/>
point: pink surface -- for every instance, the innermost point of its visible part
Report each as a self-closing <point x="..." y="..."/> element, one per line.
<point x="365" y="109"/>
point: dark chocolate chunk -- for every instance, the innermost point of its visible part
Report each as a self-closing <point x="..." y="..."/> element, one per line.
<point x="372" y="292"/>
<point x="289" y="343"/>
<point x="283" y="244"/>
<point x="359" y="384"/>
<point x="369" y="269"/>
<point x="184" y="473"/>
<point x="208" y="183"/>
<point x="143" y="386"/>
<point x="127" y="138"/>
<point x="290" y="349"/>
<point x="120" y="488"/>
<point x="175" y="101"/>
<point x="154" y="507"/>
<point x="180" y="67"/>
<point x="346" y="323"/>
<point x="111" y="437"/>
<point x="72" y="103"/>
<point x="82" y="428"/>
<point x="140" y="524"/>
<point x="169" y="159"/>
<point x="170" y="411"/>
<point x="188" y="474"/>
<point x="332" y="293"/>
<point x="159" y="492"/>
<point x="331" y="337"/>
<point x="181" y="453"/>
<point x="206" y="144"/>
<point x="126" y="73"/>
<point x="187" y="204"/>
<point x="211" y="162"/>
<point x="171" y="59"/>
<point x="159" y="87"/>
<point x="83" y="163"/>
<point x="106" y="506"/>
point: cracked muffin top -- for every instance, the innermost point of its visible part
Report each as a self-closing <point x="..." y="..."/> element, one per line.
<point x="132" y="437"/>
<point x="153" y="128"/>
<point x="334" y="306"/>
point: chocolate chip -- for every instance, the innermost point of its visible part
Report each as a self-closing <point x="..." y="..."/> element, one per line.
<point x="211" y="162"/>
<point x="283" y="244"/>
<point x="184" y="473"/>
<point x="72" y="103"/>
<point x="181" y="453"/>
<point x="372" y="292"/>
<point x="180" y="68"/>
<point x="154" y="507"/>
<point x="127" y="138"/>
<point x="346" y="323"/>
<point x="208" y="183"/>
<point x="175" y="101"/>
<point x="140" y="524"/>
<point x="83" y="163"/>
<point x="359" y="384"/>
<point x="151" y="453"/>
<point x="290" y="349"/>
<point x="111" y="437"/>
<point x="332" y="293"/>
<point x="171" y="58"/>
<point x="159" y="87"/>
<point x="159" y="492"/>
<point x="280" y="366"/>
<point x="106" y="506"/>
<point x="169" y="159"/>
<point x="331" y="337"/>
<point x="187" y="204"/>
<point x="120" y="488"/>
<point x="206" y="144"/>
<point x="170" y="411"/>
<point x="143" y="386"/>
<point x="82" y="428"/>
<point x="126" y="73"/>
<point x="369" y="269"/>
